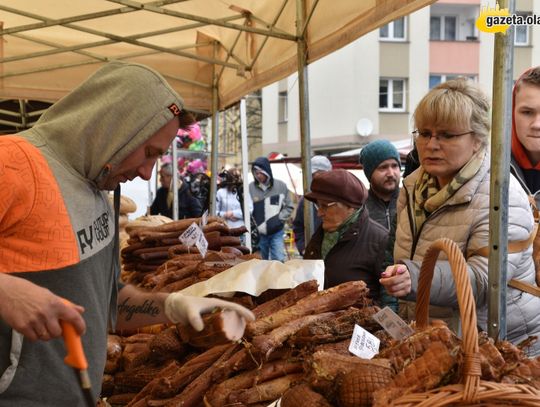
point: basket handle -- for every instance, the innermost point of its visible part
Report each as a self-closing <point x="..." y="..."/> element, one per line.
<point x="467" y="307"/>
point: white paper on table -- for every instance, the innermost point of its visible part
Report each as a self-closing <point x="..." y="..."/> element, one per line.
<point x="256" y="276"/>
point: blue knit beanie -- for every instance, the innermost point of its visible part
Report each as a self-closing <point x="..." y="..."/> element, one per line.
<point x="375" y="153"/>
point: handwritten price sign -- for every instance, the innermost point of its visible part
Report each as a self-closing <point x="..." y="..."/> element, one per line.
<point x="364" y="344"/>
<point x="194" y="235"/>
<point x="191" y="235"/>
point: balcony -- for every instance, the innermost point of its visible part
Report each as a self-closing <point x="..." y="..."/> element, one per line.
<point x="457" y="57"/>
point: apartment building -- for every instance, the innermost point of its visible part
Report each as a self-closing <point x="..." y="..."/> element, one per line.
<point x="369" y="89"/>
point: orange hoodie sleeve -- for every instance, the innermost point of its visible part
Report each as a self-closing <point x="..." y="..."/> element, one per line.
<point x="35" y="228"/>
<point x="16" y="187"/>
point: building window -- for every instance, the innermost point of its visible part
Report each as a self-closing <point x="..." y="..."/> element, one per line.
<point x="443" y="28"/>
<point x="470" y="25"/>
<point x="394" y="31"/>
<point x="434" y="80"/>
<point x="392" y="95"/>
<point x="521" y="34"/>
<point x="283" y="107"/>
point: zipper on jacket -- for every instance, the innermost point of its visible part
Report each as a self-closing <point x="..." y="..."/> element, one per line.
<point x="387" y="212"/>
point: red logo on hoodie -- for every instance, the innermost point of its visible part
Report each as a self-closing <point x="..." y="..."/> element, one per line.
<point x="174" y="109"/>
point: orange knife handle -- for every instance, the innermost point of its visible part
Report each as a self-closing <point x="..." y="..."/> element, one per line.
<point x="75" y="354"/>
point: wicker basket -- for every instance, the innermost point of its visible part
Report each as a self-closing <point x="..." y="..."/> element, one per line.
<point x="472" y="391"/>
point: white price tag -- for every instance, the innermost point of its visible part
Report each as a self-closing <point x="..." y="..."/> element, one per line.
<point x="202" y="245"/>
<point x="363" y="344"/>
<point x="204" y="218"/>
<point x="393" y="324"/>
<point x="191" y="235"/>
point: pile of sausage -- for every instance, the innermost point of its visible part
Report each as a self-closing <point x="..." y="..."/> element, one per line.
<point x="297" y="350"/>
<point x="149" y="248"/>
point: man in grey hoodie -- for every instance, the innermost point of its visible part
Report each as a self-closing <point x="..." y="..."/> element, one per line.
<point x="272" y="206"/>
<point x="58" y="232"/>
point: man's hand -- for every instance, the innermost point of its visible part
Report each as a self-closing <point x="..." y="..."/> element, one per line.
<point x="182" y="309"/>
<point x="35" y="311"/>
<point x="396" y="280"/>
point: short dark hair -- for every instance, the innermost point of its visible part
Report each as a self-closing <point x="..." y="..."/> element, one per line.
<point x="186" y="119"/>
<point x="531" y="77"/>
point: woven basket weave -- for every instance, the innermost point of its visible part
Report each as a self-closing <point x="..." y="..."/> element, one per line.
<point x="472" y="391"/>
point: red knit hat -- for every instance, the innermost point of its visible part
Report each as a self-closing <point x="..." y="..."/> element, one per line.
<point x="338" y="186"/>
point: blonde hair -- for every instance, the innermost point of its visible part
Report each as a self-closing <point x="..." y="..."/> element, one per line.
<point x="454" y="102"/>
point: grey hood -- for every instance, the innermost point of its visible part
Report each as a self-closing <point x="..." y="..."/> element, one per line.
<point x="107" y="117"/>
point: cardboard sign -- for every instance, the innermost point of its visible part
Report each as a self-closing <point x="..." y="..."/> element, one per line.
<point x="191" y="235"/>
<point x="364" y="344"/>
<point x="393" y="324"/>
<point x="202" y="245"/>
<point x="204" y="218"/>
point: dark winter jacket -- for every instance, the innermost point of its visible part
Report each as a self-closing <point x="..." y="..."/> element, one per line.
<point x="188" y="205"/>
<point x="272" y="204"/>
<point x="358" y="255"/>
<point x="380" y="211"/>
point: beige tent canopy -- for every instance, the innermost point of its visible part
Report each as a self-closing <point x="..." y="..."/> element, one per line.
<point x="214" y="52"/>
<point x="234" y="46"/>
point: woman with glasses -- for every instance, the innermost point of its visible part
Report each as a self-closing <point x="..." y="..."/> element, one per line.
<point x="448" y="196"/>
<point x="350" y="243"/>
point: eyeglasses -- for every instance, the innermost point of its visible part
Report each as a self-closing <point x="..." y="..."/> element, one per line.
<point x="443" y="138"/>
<point x="323" y="207"/>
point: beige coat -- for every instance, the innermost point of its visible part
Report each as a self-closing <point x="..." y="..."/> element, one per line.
<point x="464" y="218"/>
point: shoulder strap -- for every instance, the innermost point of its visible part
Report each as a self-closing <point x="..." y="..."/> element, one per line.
<point x="513" y="247"/>
<point x="528" y="288"/>
<point x="520" y="245"/>
<point x="534" y="208"/>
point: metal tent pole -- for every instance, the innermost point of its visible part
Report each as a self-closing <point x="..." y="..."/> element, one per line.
<point x="245" y="184"/>
<point x="150" y="191"/>
<point x="305" y="141"/>
<point x="215" y="146"/>
<point x="174" y="182"/>
<point x="500" y="174"/>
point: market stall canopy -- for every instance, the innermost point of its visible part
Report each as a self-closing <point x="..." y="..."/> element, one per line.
<point x="49" y="46"/>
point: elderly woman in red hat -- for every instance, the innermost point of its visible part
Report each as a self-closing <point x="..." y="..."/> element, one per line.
<point x="350" y="243"/>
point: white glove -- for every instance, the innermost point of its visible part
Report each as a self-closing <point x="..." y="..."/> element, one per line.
<point x="183" y="309"/>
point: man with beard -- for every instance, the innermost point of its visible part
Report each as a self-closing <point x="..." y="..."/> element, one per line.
<point x="382" y="167"/>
